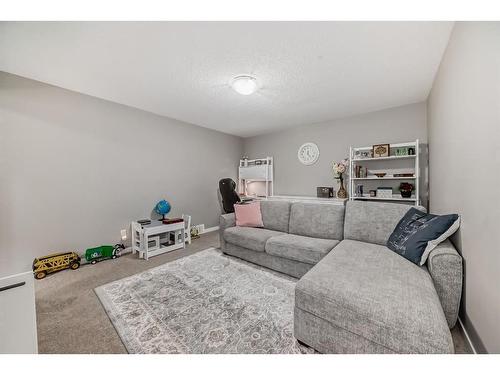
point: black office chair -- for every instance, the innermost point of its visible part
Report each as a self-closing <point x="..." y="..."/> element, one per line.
<point x="228" y="195"/>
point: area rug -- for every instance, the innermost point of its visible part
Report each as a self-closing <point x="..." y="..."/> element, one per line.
<point x="204" y="303"/>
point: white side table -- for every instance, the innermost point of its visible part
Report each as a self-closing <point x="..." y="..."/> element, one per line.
<point x="142" y="235"/>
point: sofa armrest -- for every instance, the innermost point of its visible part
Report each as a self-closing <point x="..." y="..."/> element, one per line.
<point x="445" y="266"/>
<point x="225" y="221"/>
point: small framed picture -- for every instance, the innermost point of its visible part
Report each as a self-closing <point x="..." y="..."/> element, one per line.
<point x="380" y="151"/>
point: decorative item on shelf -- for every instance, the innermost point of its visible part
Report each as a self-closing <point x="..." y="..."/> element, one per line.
<point x="380" y="151"/>
<point x="324" y="192"/>
<point x="405" y="189"/>
<point x="366" y="154"/>
<point x="401" y="151"/>
<point x="258" y="162"/>
<point x="384" y="192"/>
<point x="359" y="190"/>
<point x="373" y="193"/>
<point x="404" y="174"/>
<point x="411" y="151"/>
<point x="338" y="171"/>
<point x="162" y="208"/>
<point x="380" y="175"/>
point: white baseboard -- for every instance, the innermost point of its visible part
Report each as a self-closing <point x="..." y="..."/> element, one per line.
<point x="126" y="250"/>
<point x="467" y="336"/>
<point x="211" y="229"/>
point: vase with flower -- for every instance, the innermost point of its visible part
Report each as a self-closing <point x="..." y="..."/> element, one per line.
<point x="339" y="169"/>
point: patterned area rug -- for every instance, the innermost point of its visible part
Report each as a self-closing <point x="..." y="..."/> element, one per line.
<point x="204" y="303"/>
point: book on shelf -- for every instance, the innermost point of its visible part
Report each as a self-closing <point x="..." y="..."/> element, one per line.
<point x="360" y="171"/>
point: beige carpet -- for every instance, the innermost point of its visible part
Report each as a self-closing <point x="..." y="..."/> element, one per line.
<point x="71" y="318"/>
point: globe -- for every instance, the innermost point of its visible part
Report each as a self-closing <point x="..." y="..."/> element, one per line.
<point x="163" y="208"/>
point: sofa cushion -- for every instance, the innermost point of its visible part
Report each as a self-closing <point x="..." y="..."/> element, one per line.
<point x="286" y="266"/>
<point x="372" y="221"/>
<point x="250" y="238"/>
<point x="300" y="248"/>
<point x="275" y="215"/>
<point x="319" y="220"/>
<point x="368" y="290"/>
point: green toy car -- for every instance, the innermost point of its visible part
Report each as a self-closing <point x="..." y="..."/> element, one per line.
<point x="96" y="254"/>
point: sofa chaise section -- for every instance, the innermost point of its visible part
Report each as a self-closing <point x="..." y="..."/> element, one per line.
<point x="373" y="222"/>
<point x="364" y="298"/>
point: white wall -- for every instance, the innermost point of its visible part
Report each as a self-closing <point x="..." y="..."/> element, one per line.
<point x="464" y="136"/>
<point x="76" y="169"/>
<point x="393" y="125"/>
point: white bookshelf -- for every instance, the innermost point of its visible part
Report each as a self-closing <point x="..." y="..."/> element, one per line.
<point x="386" y="164"/>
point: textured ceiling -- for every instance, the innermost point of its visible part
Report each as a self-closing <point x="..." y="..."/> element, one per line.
<point x="308" y="72"/>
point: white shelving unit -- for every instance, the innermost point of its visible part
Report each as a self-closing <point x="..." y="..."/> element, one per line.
<point x="366" y="162"/>
<point x="256" y="170"/>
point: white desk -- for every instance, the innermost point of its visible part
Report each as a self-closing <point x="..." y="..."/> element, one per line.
<point x="141" y="236"/>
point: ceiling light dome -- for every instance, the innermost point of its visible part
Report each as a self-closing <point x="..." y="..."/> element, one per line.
<point x="244" y="85"/>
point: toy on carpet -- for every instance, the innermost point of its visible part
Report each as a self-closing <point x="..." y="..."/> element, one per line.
<point x="55" y="262"/>
<point x="163" y="208"/>
<point x="97" y="254"/>
<point x="195" y="233"/>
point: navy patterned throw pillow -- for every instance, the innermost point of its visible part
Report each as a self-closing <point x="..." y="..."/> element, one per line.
<point x="418" y="233"/>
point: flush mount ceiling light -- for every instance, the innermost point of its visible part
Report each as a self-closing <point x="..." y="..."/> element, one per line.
<point x="244" y="85"/>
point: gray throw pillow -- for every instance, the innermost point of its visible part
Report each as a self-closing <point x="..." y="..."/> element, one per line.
<point x="418" y="233"/>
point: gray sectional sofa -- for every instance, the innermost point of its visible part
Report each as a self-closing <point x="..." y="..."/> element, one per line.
<point x="354" y="294"/>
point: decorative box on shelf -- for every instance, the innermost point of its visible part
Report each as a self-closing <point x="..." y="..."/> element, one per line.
<point x="384" y="192"/>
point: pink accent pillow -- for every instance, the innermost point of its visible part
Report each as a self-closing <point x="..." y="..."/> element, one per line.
<point x="248" y="215"/>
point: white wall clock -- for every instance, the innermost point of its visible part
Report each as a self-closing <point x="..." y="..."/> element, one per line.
<point x="308" y="153"/>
